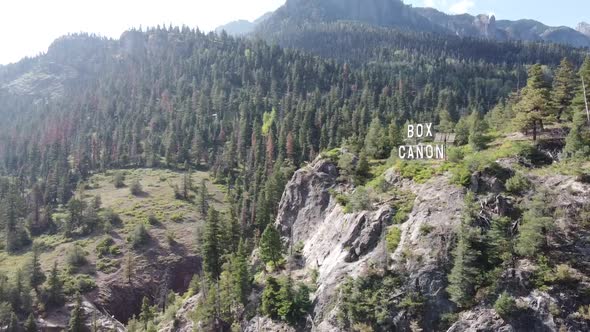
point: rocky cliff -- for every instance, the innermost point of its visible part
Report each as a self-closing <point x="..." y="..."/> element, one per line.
<point x="340" y="244"/>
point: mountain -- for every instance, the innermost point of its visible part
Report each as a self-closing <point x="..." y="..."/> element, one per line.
<point x="237" y="28"/>
<point x="584" y="28"/>
<point x="242" y="27"/>
<point x="175" y="180"/>
<point x="395" y="14"/>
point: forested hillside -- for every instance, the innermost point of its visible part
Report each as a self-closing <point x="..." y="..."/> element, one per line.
<point x="249" y="114"/>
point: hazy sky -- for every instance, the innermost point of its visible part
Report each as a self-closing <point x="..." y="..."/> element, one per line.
<point x="27" y="27"/>
<point x="550" y="12"/>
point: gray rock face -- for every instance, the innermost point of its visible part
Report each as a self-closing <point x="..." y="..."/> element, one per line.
<point x="265" y="324"/>
<point x="438" y="206"/>
<point x="341" y="245"/>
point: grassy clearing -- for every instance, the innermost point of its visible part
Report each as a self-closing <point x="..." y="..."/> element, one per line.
<point x="174" y="217"/>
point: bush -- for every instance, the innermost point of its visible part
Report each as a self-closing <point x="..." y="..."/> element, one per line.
<point x="532" y="155"/>
<point x="455" y="155"/>
<point x="177" y="217"/>
<point x="139" y="237"/>
<point x="111" y="217"/>
<point x="359" y="200"/>
<point x="76" y="257"/>
<point x="565" y="274"/>
<point x="119" y="180"/>
<point x="518" y="184"/>
<point x="393" y="238"/>
<point x="505" y="305"/>
<point x="152" y="219"/>
<point x="107" y="265"/>
<point x="461" y="176"/>
<point x="135" y="188"/>
<point x="81" y="283"/>
<point x="425" y="229"/>
<point x="107" y="247"/>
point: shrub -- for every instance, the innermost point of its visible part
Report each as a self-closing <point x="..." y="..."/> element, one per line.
<point x="359" y="200"/>
<point x="518" y="184"/>
<point x="461" y="176"/>
<point x="119" y="180"/>
<point x="170" y="237"/>
<point x="76" y="257"/>
<point x="177" y="217"/>
<point x="81" y="283"/>
<point x="584" y="312"/>
<point x="152" y="219"/>
<point x="393" y="238"/>
<point x="107" y="247"/>
<point x="565" y="274"/>
<point x="403" y="207"/>
<point x="298" y="248"/>
<point x="505" y="305"/>
<point x="107" y="265"/>
<point x="111" y="217"/>
<point x="425" y="229"/>
<point x="533" y="155"/>
<point x="455" y="154"/>
<point x="135" y="188"/>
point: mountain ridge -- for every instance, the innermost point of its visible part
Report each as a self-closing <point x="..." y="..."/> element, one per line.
<point x="396" y="14"/>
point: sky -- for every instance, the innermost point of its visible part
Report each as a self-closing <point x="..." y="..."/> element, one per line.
<point x="27" y="27"/>
<point x="550" y="12"/>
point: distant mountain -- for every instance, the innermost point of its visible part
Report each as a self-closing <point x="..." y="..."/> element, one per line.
<point x="237" y="28"/>
<point x="584" y="28"/>
<point x="396" y="14"/>
<point x="242" y="27"/>
<point x="486" y="26"/>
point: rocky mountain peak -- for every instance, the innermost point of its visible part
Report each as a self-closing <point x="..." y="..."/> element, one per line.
<point x="584" y="28"/>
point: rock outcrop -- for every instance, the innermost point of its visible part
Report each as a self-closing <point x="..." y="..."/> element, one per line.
<point x="341" y="245"/>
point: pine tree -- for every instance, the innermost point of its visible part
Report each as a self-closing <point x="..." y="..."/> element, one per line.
<point x="270" y="245"/>
<point x="395" y="135"/>
<point x="578" y="104"/>
<point x="146" y="314"/>
<point x="578" y="140"/>
<point x="212" y="249"/>
<point x="77" y="316"/>
<point x="55" y="294"/>
<point x="30" y="324"/>
<point x="462" y="131"/>
<point x="285" y="300"/>
<point x="563" y="89"/>
<point x="13" y="325"/>
<point x="477" y="130"/>
<point x="203" y="200"/>
<point x="533" y="107"/>
<point x="270" y="298"/>
<point x="374" y="141"/>
<point x="465" y="275"/>
<point x="500" y="241"/>
<point x="362" y="167"/>
<point x="241" y="274"/>
<point x="36" y="275"/>
<point x="536" y="222"/>
<point x="129" y="267"/>
<point x="445" y="124"/>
